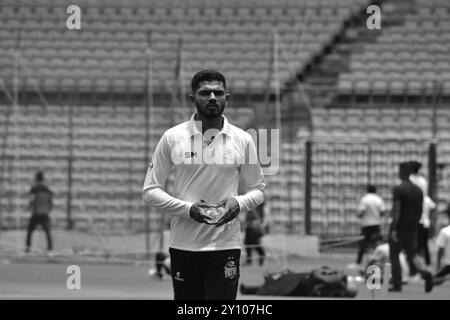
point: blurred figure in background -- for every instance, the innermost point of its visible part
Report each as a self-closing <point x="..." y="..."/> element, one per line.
<point x="418" y="179"/>
<point x="370" y="210"/>
<point x="254" y="230"/>
<point x="41" y="204"/>
<point x="424" y="227"/>
<point x="379" y="255"/>
<point x="443" y="257"/>
<point x="424" y="222"/>
<point x="406" y="212"/>
<point x="162" y="263"/>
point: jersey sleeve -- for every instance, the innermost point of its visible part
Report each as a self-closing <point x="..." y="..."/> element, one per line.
<point x="155" y="179"/>
<point x="252" y="180"/>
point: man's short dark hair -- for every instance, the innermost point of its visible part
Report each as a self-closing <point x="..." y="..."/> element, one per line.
<point x="405" y="169"/>
<point x="371" y="188"/>
<point x="39" y="176"/>
<point x="415" y="166"/>
<point x="207" y="75"/>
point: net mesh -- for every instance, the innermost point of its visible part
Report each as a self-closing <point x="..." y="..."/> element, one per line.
<point x="341" y="170"/>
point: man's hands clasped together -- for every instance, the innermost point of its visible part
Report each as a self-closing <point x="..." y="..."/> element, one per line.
<point x="231" y="210"/>
<point x="198" y="211"/>
<point x="230" y="207"/>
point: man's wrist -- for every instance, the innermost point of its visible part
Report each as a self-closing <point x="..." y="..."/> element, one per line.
<point x="188" y="211"/>
<point x="238" y="202"/>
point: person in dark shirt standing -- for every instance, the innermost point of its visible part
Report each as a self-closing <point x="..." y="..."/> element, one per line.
<point x="406" y="213"/>
<point x="41" y="204"/>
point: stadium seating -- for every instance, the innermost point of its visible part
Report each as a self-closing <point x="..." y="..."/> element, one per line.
<point x="108" y="161"/>
<point x="108" y="164"/>
<point x="366" y="138"/>
<point x="109" y="56"/>
<point x="406" y="59"/>
<point x="112" y="40"/>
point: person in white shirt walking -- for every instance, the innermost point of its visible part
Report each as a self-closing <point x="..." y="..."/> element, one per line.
<point x="211" y="158"/>
<point x="443" y="255"/>
<point x="418" y="179"/>
<point x="424" y="222"/>
<point x="370" y="210"/>
<point x="424" y="227"/>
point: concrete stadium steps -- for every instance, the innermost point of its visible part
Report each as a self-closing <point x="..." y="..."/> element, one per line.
<point x="323" y="75"/>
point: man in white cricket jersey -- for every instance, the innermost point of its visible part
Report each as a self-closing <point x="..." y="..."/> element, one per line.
<point x="211" y="158"/>
<point x="370" y="210"/>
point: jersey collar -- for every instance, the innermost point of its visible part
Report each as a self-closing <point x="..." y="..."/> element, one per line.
<point x="193" y="130"/>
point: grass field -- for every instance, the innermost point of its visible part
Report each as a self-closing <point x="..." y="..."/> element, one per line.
<point x="45" y="278"/>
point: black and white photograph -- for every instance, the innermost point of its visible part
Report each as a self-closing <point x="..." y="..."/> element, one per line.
<point x="242" y="151"/>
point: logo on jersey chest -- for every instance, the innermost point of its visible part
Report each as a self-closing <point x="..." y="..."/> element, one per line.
<point x="188" y="155"/>
<point x="178" y="277"/>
